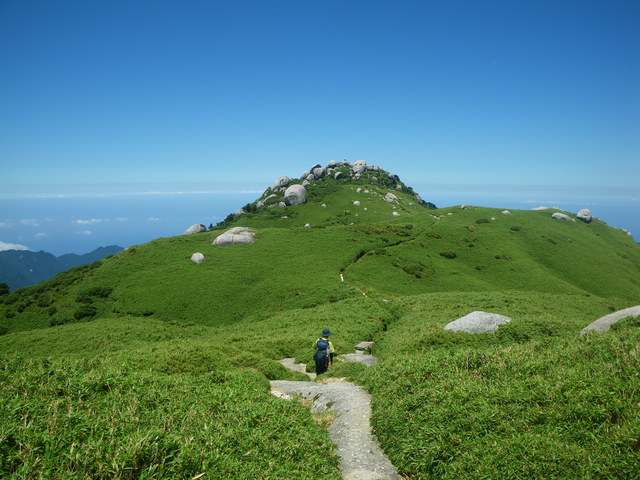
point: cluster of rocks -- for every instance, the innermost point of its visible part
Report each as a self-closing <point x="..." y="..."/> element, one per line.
<point x="583" y="215"/>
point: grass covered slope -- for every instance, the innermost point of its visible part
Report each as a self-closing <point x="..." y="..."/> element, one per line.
<point x="183" y="352"/>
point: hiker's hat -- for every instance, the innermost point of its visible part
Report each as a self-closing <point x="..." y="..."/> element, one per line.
<point x="326" y="332"/>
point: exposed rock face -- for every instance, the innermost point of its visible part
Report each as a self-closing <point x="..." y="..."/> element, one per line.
<point x="332" y="164"/>
<point x="585" y="215"/>
<point x="338" y="175"/>
<point x="234" y="236"/>
<point x="197" y="228"/>
<point x="197" y="257"/>
<point x="295" y="195"/>
<point x="237" y="213"/>
<point x="281" y="182"/>
<point x="562" y="216"/>
<point x="478" y="322"/>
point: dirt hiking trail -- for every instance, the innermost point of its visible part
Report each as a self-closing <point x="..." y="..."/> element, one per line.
<point x="361" y="458"/>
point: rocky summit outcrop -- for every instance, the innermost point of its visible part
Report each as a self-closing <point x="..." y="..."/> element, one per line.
<point x="295" y="195"/>
<point x="478" y="322"/>
<point x="585" y="215"/>
<point x="197" y="228"/>
<point x="235" y="236"/>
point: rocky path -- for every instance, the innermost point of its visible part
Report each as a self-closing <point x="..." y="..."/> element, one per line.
<point x="361" y="458"/>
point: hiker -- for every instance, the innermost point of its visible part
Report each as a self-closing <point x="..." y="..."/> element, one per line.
<point x="324" y="352"/>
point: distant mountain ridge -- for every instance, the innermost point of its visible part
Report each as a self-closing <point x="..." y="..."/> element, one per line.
<point x="23" y="268"/>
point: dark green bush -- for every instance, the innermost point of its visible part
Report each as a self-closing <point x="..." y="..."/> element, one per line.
<point x="482" y="220"/>
<point x="85" y="311"/>
<point x="448" y="254"/>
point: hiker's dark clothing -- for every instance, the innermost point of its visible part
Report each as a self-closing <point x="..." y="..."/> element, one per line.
<point x="322" y="364"/>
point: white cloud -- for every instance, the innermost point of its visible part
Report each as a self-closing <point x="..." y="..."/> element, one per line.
<point x="12" y="246"/>
<point x="153" y="219"/>
<point x="85" y="232"/>
<point x="4" y="225"/>
<point x="88" y="222"/>
<point x="30" y="222"/>
<point x="41" y="235"/>
<point x="99" y="220"/>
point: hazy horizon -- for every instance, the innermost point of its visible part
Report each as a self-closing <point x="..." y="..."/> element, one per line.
<point x="82" y="221"/>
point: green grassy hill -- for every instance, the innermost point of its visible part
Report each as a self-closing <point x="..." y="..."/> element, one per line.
<point x="148" y="365"/>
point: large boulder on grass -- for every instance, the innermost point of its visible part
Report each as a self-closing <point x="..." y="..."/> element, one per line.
<point x="295" y="195"/>
<point x="603" y="324"/>
<point x="235" y="236"/>
<point x="562" y="216"/>
<point x="197" y="228"/>
<point x="585" y="215"/>
<point x="478" y="322"/>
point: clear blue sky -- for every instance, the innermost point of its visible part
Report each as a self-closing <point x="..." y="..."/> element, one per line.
<point x="129" y="96"/>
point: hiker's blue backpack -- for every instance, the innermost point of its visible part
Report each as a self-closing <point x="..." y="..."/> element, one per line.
<point x="322" y="350"/>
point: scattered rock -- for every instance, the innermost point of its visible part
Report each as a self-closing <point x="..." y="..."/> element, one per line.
<point x="390" y="197"/>
<point x="477" y="322"/>
<point x="563" y="217"/>
<point x="395" y="214"/>
<point x="295" y="195"/>
<point x="338" y="175"/>
<point x="197" y="257"/>
<point x="585" y="215"/>
<point x="332" y="164"/>
<point x="506" y="212"/>
<point x="356" y="203"/>
<point x="603" y="324"/>
<point x="237" y="213"/>
<point x="197" y="228"/>
<point x="307" y="225"/>
<point x="235" y="236"/>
